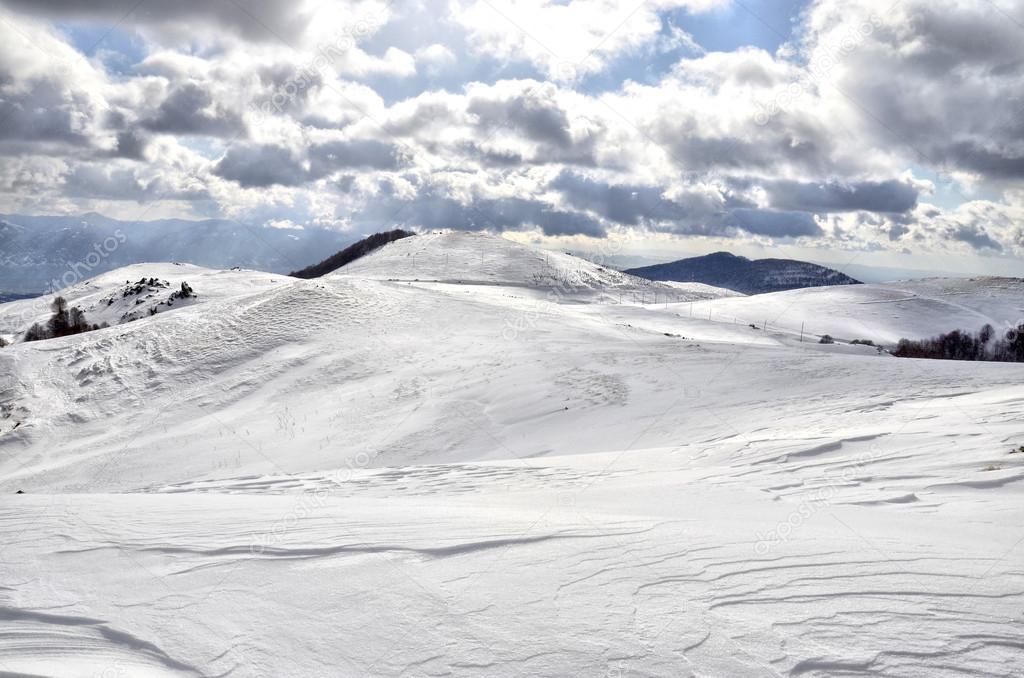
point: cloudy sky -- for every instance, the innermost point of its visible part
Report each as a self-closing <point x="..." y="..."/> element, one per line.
<point x="883" y="133"/>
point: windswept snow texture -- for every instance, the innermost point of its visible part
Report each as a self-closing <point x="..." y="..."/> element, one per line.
<point x="478" y="474"/>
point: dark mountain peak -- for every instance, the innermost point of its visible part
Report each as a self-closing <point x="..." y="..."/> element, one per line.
<point x="723" y="256"/>
<point x="351" y="253"/>
<point x="724" y="269"/>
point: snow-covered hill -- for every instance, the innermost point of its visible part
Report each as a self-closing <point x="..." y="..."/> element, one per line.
<point x="709" y="291"/>
<point x="478" y="258"/>
<point x="368" y="474"/>
<point x="137" y="291"/>
<point x="883" y="313"/>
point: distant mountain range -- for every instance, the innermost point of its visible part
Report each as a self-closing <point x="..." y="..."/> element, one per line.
<point x="740" y="274"/>
<point x="40" y="252"/>
<point x="4" y="298"/>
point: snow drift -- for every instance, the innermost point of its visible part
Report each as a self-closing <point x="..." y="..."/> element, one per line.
<point x="431" y="465"/>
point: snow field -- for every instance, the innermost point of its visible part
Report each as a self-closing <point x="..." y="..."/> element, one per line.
<point x="373" y="475"/>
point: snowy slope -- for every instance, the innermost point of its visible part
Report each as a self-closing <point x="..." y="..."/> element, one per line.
<point x="118" y="296"/>
<point x="708" y="291"/>
<point x="365" y="475"/>
<point x="478" y="258"/>
<point x="883" y="313"/>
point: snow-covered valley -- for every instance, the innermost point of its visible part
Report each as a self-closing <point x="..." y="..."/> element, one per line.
<point x="461" y="457"/>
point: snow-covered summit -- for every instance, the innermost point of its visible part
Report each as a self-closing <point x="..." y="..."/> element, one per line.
<point x="478" y="258"/>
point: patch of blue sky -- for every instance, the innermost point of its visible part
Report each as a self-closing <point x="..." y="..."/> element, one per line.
<point x="117" y="48"/>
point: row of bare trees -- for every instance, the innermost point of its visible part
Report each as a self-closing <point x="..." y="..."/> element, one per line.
<point x="64" y="322"/>
<point x="961" y="345"/>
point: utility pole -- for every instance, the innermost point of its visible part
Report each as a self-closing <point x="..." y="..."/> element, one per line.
<point x="801" y="333"/>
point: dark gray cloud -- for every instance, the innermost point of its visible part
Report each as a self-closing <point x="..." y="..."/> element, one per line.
<point x="131" y="144"/>
<point x="494" y="157"/>
<point x="951" y="102"/>
<point x="779" y="144"/>
<point x="532" y="114"/>
<point x="538" y="118"/>
<point x="1001" y="161"/>
<point x="45" y="111"/>
<point x="287" y="90"/>
<point x="947" y="37"/>
<point x="689" y="213"/>
<point x="631" y="204"/>
<point x="257" y="20"/>
<point x="835" y="196"/>
<point x="258" y="165"/>
<point x="331" y="156"/>
<point x="431" y="210"/>
<point x="190" y="109"/>
<point x="773" y="223"/>
<point x="976" y="237"/>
